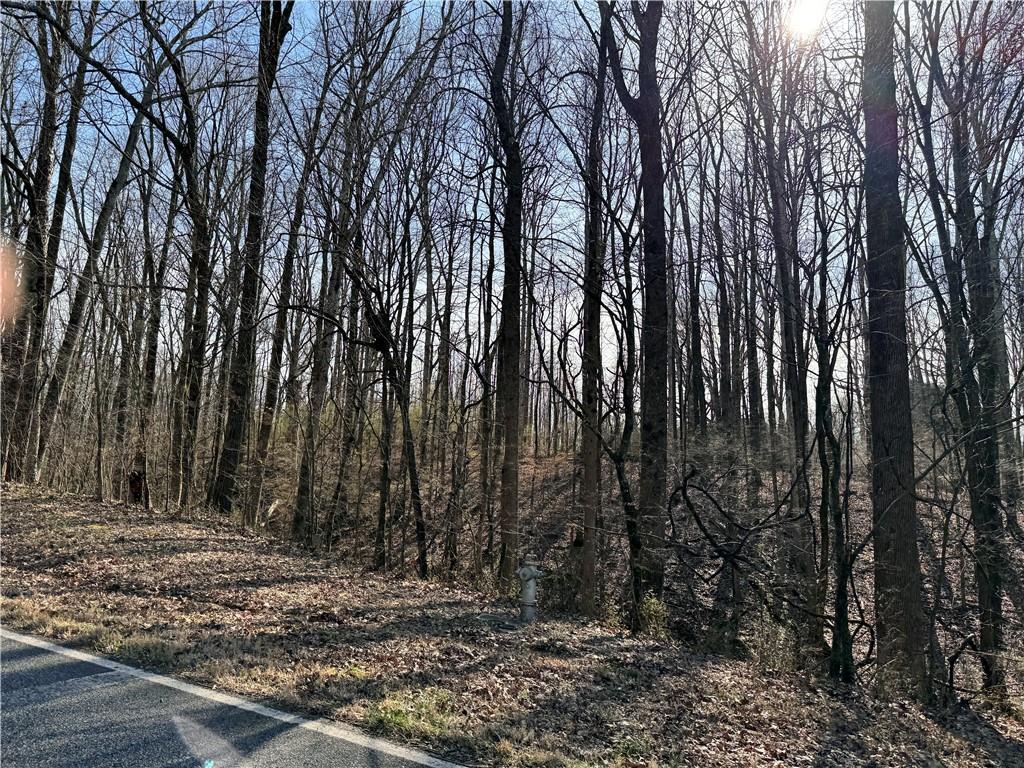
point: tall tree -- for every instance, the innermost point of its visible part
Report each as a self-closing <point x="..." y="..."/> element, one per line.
<point x="590" y="488"/>
<point x="274" y="26"/>
<point x="774" y="71"/>
<point x="646" y="532"/>
<point x="510" y="333"/>
<point x="898" y="597"/>
<point x="26" y="346"/>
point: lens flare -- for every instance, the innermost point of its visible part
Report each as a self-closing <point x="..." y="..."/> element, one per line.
<point x="8" y="286"/>
<point x="805" y="18"/>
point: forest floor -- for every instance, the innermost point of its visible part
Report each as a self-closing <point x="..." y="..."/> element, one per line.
<point x="442" y="668"/>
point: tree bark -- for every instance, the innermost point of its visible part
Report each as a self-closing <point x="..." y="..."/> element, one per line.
<point x="590" y="487"/>
<point x="274" y="26"/>
<point x="26" y="338"/>
<point x="509" y="336"/>
<point x="898" y="598"/>
<point x="648" y="562"/>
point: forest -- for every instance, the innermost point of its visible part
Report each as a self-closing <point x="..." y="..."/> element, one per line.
<point x="716" y="309"/>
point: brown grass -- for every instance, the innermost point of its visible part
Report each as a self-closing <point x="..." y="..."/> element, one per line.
<point x="437" y="666"/>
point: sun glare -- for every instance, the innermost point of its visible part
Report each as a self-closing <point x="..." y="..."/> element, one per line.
<point x="805" y="18"/>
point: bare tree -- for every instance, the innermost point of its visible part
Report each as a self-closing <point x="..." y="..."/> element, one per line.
<point x="898" y="598"/>
<point x="646" y="529"/>
<point x="274" y="26"/>
<point x="509" y="333"/>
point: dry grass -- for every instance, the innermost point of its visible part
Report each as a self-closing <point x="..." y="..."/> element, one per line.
<point x="440" y="667"/>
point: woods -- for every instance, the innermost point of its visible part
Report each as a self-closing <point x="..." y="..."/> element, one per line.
<point x="718" y="308"/>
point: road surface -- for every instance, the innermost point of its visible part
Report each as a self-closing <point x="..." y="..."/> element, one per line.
<point x="61" y="708"/>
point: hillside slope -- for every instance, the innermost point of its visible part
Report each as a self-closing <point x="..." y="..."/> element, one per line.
<point x="440" y="667"/>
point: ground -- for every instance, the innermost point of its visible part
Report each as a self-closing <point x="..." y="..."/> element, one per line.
<point x="435" y="666"/>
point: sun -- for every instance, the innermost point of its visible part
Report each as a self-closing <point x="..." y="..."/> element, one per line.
<point x="805" y="17"/>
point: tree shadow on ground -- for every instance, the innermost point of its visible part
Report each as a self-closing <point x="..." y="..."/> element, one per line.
<point x="967" y="724"/>
<point x="855" y="737"/>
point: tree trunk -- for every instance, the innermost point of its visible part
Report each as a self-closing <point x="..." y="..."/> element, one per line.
<point x="274" y="25"/>
<point x="26" y="338"/>
<point x="509" y="338"/>
<point x="898" y="600"/>
<point x="590" y="488"/>
<point x="645" y="111"/>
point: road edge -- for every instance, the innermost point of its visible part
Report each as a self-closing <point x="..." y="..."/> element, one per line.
<point x="331" y="728"/>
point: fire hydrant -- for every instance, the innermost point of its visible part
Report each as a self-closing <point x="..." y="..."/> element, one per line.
<point x="528" y="575"/>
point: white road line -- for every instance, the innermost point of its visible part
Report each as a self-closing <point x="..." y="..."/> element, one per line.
<point x="325" y="727"/>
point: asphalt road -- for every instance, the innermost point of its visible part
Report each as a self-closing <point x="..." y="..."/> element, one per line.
<point x="65" y="709"/>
